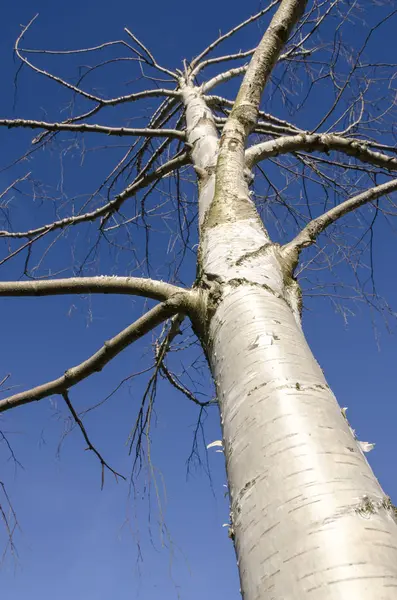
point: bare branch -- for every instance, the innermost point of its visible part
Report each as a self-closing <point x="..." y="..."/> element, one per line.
<point x="229" y="33"/>
<point x="134" y="286"/>
<point x="90" y="446"/>
<point x="261" y="65"/>
<point x="154" y="63"/>
<point x="220" y="102"/>
<point x="45" y="73"/>
<point x="111" y="206"/>
<point x="14" y="183"/>
<point x="231" y="73"/>
<point x="309" y="234"/>
<point x="82" y="127"/>
<point x="244" y="114"/>
<point x="97" y="361"/>
<point x="219" y="59"/>
<point x="156" y="93"/>
<point x="222" y="78"/>
<point x="9" y="518"/>
<point x="319" y="143"/>
<point x="352" y="70"/>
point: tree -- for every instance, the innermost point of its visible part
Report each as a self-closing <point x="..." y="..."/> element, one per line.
<point x="301" y="490"/>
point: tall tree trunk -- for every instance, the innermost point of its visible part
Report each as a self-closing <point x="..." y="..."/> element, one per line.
<point x="308" y="517"/>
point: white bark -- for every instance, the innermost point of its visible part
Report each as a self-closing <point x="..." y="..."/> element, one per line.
<point x="308" y="517"/>
<point x="202" y="137"/>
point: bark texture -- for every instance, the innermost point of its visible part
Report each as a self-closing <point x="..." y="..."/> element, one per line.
<point x="308" y="517"/>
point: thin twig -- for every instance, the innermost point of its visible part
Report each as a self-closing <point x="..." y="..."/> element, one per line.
<point x="104" y="464"/>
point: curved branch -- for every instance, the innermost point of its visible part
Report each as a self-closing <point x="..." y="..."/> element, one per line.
<point x="134" y="286"/>
<point x="312" y="230"/>
<point x="45" y="73"/>
<point x="97" y="361"/>
<point x="320" y="143"/>
<point x="83" y="93"/>
<point x="82" y="127"/>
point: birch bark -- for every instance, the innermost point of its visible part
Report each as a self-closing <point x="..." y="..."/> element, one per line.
<point x="308" y="517"/>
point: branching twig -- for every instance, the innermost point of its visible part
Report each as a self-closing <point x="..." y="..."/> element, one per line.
<point x="104" y="464"/>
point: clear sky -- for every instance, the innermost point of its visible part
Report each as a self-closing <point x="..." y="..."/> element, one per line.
<point x="76" y="540"/>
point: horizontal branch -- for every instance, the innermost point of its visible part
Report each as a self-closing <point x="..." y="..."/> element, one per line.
<point x="319" y="143"/>
<point x="97" y="361"/>
<point x="83" y="127"/>
<point x="156" y="93"/>
<point x="312" y="230"/>
<point x="134" y="286"/>
<point x="111" y="206"/>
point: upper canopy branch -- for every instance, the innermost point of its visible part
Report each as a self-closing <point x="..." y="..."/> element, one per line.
<point x="196" y="61"/>
<point x="230" y="170"/>
<point x="147" y="57"/>
<point x="265" y="56"/>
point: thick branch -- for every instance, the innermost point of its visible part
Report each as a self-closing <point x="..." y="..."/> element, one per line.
<point x="310" y="233"/>
<point x="319" y="143"/>
<point x="268" y="51"/>
<point x="134" y="286"/>
<point x="97" y="361"/>
<point x="230" y="185"/>
<point x="82" y="127"/>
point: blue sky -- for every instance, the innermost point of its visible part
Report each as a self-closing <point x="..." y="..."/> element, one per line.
<point x="75" y="539"/>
